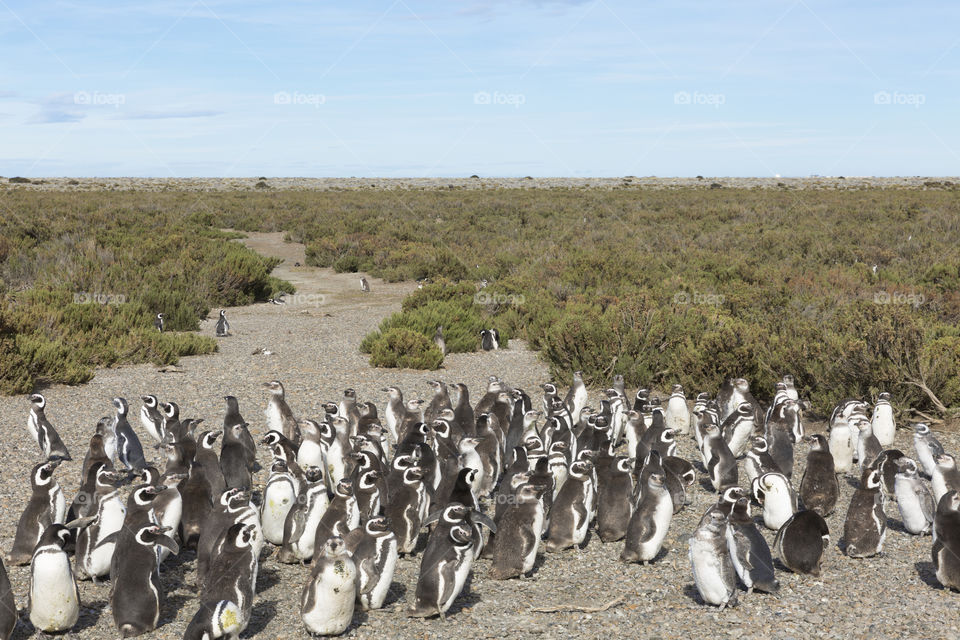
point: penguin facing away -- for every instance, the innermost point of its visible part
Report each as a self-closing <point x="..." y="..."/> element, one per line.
<point x="802" y="541"/>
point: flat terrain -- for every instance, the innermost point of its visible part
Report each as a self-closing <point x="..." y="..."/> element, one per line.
<point x="313" y="340"/>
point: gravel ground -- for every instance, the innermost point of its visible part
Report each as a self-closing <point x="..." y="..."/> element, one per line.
<point x="314" y="340"/>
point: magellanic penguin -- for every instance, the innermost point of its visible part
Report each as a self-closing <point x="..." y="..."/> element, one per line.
<point x="783" y="430"/>
<point x="214" y="621"/>
<point x="129" y="449"/>
<point x="916" y="505"/>
<point x="342" y="515"/>
<point x="819" y="488"/>
<point x="576" y="398"/>
<point x="614" y="498"/>
<point x="303" y="517"/>
<point x="279" y="416"/>
<point x="573" y="510"/>
<point x="150" y="417"/>
<point x="927" y="447"/>
<point x="519" y="530"/>
<point x="886" y="464"/>
<point x="489" y="339"/>
<point x="738" y="428"/>
<point x="650" y="521"/>
<point x="444" y="573"/>
<point x="439" y="340"/>
<point x="232" y="574"/>
<point x="223" y="327"/>
<point x="778" y="498"/>
<point x="758" y="460"/>
<point x="8" y="606"/>
<point x="93" y="553"/>
<point x="749" y="550"/>
<point x="135" y="594"/>
<point x="96" y="451"/>
<point x="677" y="415"/>
<point x="408" y="508"/>
<point x="373" y="548"/>
<point x="233" y="459"/>
<point x="54" y="600"/>
<point x="47" y="506"/>
<point x="802" y="541"/>
<point x="946" y="541"/>
<point x="868" y="447"/>
<point x="841" y="444"/>
<point x="43" y="432"/>
<point x="158" y="322"/>
<point x="719" y="460"/>
<point x="230" y="420"/>
<point x="364" y="285"/>
<point x="279" y="496"/>
<point x="866" y="524"/>
<point x="327" y="601"/>
<point x="945" y="477"/>
<point x="882" y="421"/>
<point x="713" y="571"/>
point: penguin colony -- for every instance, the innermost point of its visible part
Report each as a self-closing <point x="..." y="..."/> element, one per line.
<point x="356" y="489"/>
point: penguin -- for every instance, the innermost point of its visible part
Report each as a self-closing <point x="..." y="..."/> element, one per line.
<point x="233" y="460"/>
<point x="303" y="517"/>
<point x="368" y="494"/>
<point x="214" y="621"/>
<point x="407" y="509"/>
<point x="8" y="606"/>
<point x="43" y="433"/>
<point x="463" y="413"/>
<point x="713" y="570"/>
<point x="490" y="339"/>
<point x="719" y="460"/>
<point x="96" y="452"/>
<point x="439" y="341"/>
<point x="576" y="398"/>
<point x="97" y="483"/>
<point x="197" y="500"/>
<point x="279" y="416"/>
<point x="677" y="415"/>
<point x="749" y="550"/>
<point x="151" y="418"/>
<point x="819" y="488"/>
<point x="47" y="506"/>
<point x="777" y="497"/>
<point x="865" y="526"/>
<point x="945" y="477"/>
<point x="223" y="327"/>
<point x="489" y="452"/>
<point x="129" y="449"/>
<point x="364" y="285"/>
<point x="917" y="508"/>
<point x="653" y="463"/>
<point x="519" y="530"/>
<point x="802" y="541"/>
<point x="789" y="384"/>
<point x="843" y="413"/>
<point x="738" y="429"/>
<point x="946" y="541"/>
<point x="209" y="462"/>
<point x="395" y="413"/>
<point x="337" y="452"/>
<point x="135" y="594"/>
<point x="841" y="445"/>
<point x="313" y="448"/>
<point x="884" y="426"/>
<point x="342" y="515"/>
<point x="886" y="464"/>
<point x="373" y="548"/>
<point x="442" y="578"/>
<point x="782" y="431"/>
<point x="93" y="555"/>
<point x="868" y="447"/>
<point x="573" y="510"/>
<point x="734" y="392"/>
<point x="170" y="428"/>
<point x="614" y="498"/>
<point x="54" y="599"/>
<point x="328" y="598"/>
<point x="232" y="507"/>
<point x="650" y="522"/>
<point x="232" y="574"/>
<point x="232" y="419"/>
<point x="158" y="322"/>
<point x="927" y="447"/>
<point x="279" y="496"/>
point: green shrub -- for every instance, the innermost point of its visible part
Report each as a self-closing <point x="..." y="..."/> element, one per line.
<point x="402" y="348"/>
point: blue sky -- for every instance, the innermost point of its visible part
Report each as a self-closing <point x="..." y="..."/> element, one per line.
<point x="403" y="88"/>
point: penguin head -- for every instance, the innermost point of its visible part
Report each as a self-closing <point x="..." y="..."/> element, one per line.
<point x="656" y="479"/>
<point x="731" y="495"/>
<point x="209" y="438"/>
<point x="817" y="442"/>
<point x="55" y="535"/>
<point x="344" y="488"/>
<point x="149" y="401"/>
<point x="170" y="410"/>
<point x="625" y="465"/>
<point x="461" y="535"/>
<point x="144" y="495"/>
<point x="368" y="480"/>
<point x="393" y="392"/>
<point x="151" y="535"/>
<point x="760" y="445"/>
<point x="906" y="467"/>
<point x="788" y="380"/>
<point x="43" y="472"/>
<point x="312" y="473"/>
<point x="38" y="400"/>
<point x="949" y="501"/>
<point x="243" y="535"/>
<point x="884" y="397"/>
<point x="742" y="507"/>
<point x="279" y="465"/>
<point x="871" y="479"/>
<point x="274" y="387"/>
<point x="677" y="390"/>
<point x="529" y="492"/>
<point x="745" y="409"/>
<point x="378" y="525"/>
<point x="272" y="438"/>
<point x="780" y="387"/>
<point x="412" y="475"/>
<point x="223" y="313"/>
<point x="741" y="385"/>
<point x="549" y="388"/>
<point x="581" y="468"/>
<point x="946" y="461"/>
<point x="441" y="428"/>
<point x="334" y="547"/>
<point x="454" y="513"/>
<point x="922" y="429"/>
<point x="227" y="496"/>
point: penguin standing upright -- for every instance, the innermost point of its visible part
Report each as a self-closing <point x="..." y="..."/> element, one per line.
<point x="749" y="551"/>
<point x="614" y="493"/>
<point x="802" y="541"/>
<point x="489" y="339"/>
<point x="519" y="530"/>
<point x="373" y="548"/>
<point x="439" y="341"/>
<point x="135" y="594"/>
<point x="444" y="573"/>
<point x="230" y="420"/>
<point x="233" y="460"/>
<point x="279" y="416"/>
<point x="677" y="415"/>
<point x="223" y="327"/>
<point x="408" y="508"/>
<point x="713" y="571"/>
<point x="364" y="285"/>
<point x="327" y="600"/>
<point x="946" y="541"/>
<point x="778" y="498"/>
<point x="151" y="418"/>
<point x="303" y="517"/>
<point x="279" y="496"/>
<point x="573" y="510"/>
<point x="842" y="445"/>
<point x="916" y="505"/>
<point x="44" y="434"/>
<point x="158" y="322"/>
<point x="882" y="421"/>
<point x="233" y="570"/>
<point x="650" y="521"/>
<point x="54" y="600"/>
<point x="946" y="476"/>
<point x="214" y="621"/>
<point x="819" y="488"/>
<point x="576" y="398"/>
<point x="782" y="431"/>
<point x="719" y="460"/>
<point x="93" y="553"/>
<point x="866" y="524"/>
<point x="47" y="506"/>
<point x="129" y="449"/>
<point x="927" y="447"/>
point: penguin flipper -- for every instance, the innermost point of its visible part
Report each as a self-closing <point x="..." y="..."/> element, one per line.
<point x="368" y="572"/>
<point x="113" y="537"/>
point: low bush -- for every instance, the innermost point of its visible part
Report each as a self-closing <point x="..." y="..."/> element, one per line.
<point x="405" y="349"/>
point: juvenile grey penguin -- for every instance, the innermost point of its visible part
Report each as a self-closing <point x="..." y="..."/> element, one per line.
<point x="677" y="414"/>
<point x="232" y="574"/>
<point x="819" y="488"/>
<point x="778" y="498"/>
<point x="713" y="571"/>
<point x="279" y="416"/>
<point x="96" y="454"/>
<point x="373" y="548"/>
<point x="650" y="521"/>
<point x="946" y="541"/>
<point x="47" y="506"/>
<point x="519" y="530"/>
<point x="783" y="430"/>
<point x="54" y="600"/>
<point x="946" y="476"/>
<point x="233" y="460"/>
<point x="158" y="322"/>
<point x="749" y="550"/>
<point x="573" y="510"/>
<point x="223" y="327"/>
<point x="868" y="446"/>
<point x="303" y="517"/>
<point x="866" y="524"/>
<point x="129" y="449"/>
<point x="442" y="579"/>
<point x="328" y="598"/>
<point x="408" y="508"/>
<point x="914" y="500"/>
<point x="614" y="499"/>
<point x="135" y="594"/>
<point x="576" y="398"/>
<point x="43" y="433"/>
<point x="802" y="541"/>
<point x="882" y="421"/>
<point x="927" y="447"/>
<point x="842" y="444"/>
<point x="214" y="621"/>
<point x="719" y="460"/>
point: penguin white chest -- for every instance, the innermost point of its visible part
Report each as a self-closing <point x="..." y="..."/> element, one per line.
<point x="708" y="572"/>
<point x="53" y="593"/>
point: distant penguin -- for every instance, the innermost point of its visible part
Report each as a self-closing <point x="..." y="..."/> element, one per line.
<point x="54" y="600"/>
<point x="819" y="488"/>
<point x="158" y="322"/>
<point x="713" y="571"/>
<point x="223" y="327"/>
<point x="43" y="432"/>
<point x="136" y="593"/>
<point x="914" y="500"/>
<point x="439" y="340"/>
<point x="490" y="339"/>
<point x="946" y="541"/>
<point x="129" y="449"/>
<point x="373" y="548"/>
<point x="677" y="415"/>
<point x="573" y="510"/>
<point x="150" y="417"/>
<point x="232" y="574"/>
<point x="47" y="506"/>
<point x="865" y="526"/>
<point x="802" y="541"/>
<point x="519" y="530"/>
<point x="279" y="416"/>
<point x="778" y="499"/>
<point x="883" y="423"/>
<point x="945" y="477"/>
<point x="749" y="550"/>
<point x="927" y="447"/>
<point x="364" y="285"/>
<point x="214" y="621"/>
<point x="328" y="598"/>
<point x="443" y="576"/>
<point x="649" y="523"/>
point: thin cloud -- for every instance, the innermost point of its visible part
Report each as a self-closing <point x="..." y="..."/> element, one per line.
<point x="166" y="115"/>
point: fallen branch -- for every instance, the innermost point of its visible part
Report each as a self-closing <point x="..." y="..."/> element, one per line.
<point x="927" y="416"/>
<point x="942" y="408"/>
<point x="573" y="607"/>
